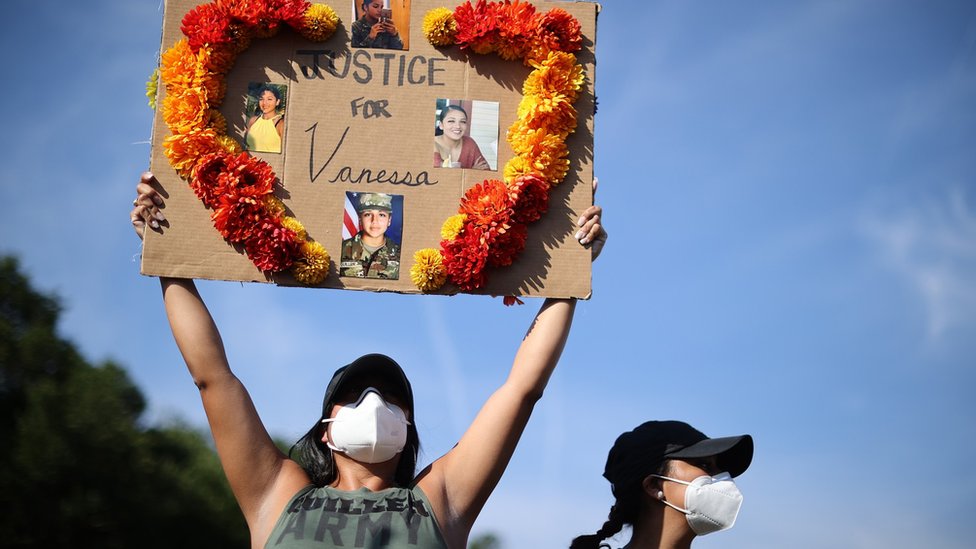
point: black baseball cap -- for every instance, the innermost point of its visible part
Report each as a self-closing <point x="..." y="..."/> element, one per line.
<point x="640" y="452"/>
<point x="371" y="364"/>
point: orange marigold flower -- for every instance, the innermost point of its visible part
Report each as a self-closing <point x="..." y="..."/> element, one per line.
<point x="186" y="110"/>
<point x="237" y="218"/>
<point x="517" y="22"/>
<point x="180" y="68"/>
<point x="311" y="265"/>
<point x="477" y="26"/>
<point x="183" y="150"/>
<point x="488" y="205"/>
<point x="558" y="74"/>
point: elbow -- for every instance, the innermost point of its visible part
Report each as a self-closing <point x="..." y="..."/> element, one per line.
<point x="533" y="395"/>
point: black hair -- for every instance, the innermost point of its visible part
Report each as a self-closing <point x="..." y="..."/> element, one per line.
<point x="449" y="108"/>
<point x="624" y="510"/>
<point x="316" y="458"/>
<point x="266" y="88"/>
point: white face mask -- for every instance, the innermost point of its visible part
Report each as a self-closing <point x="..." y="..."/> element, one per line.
<point x="369" y="430"/>
<point x="711" y="503"/>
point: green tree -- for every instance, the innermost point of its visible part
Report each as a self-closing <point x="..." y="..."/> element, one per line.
<point x="77" y="468"/>
<point x="485" y="541"/>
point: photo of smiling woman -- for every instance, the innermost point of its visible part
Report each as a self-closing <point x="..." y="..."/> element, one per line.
<point x="466" y="134"/>
<point x="266" y="121"/>
<point x="372" y="228"/>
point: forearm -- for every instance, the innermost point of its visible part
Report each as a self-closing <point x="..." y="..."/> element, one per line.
<point x="542" y="346"/>
<point x="194" y="330"/>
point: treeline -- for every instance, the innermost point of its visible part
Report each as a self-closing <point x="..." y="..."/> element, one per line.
<point x="78" y="467"/>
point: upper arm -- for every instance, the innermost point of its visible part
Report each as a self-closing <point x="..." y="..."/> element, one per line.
<point x="251" y="461"/>
<point x="467" y="474"/>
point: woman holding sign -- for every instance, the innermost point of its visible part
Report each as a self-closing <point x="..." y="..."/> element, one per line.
<point x="350" y="481"/>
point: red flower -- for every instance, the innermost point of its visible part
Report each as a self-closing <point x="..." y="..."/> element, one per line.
<point x="507" y="245"/>
<point x="560" y="31"/>
<point x="249" y="176"/>
<point x="237" y="217"/>
<point x="477" y="26"/>
<point x="489" y="206"/>
<point x="206" y="24"/>
<point x="532" y="198"/>
<point x="517" y="23"/>
<point x="292" y="12"/>
<point x="272" y="247"/>
<point x="465" y="258"/>
<point x="210" y="176"/>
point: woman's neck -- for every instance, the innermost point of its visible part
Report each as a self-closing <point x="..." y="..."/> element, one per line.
<point x="353" y="475"/>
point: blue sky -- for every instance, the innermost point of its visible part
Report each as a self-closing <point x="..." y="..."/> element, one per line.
<point x="790" y="190"/>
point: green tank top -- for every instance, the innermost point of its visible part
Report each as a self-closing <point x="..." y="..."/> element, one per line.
<point x="326" y="517"/>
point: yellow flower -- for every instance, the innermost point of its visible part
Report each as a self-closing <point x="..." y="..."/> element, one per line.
<point x="275" y="207"/>
<point x="439" y="27"/>
<point x="319" y="22"/>
<point x="517" y="166"/>
<point x="428" y="272"/>
<point x="229" y="144"/>
<point x="554" y="114"/>
<point x="152" y="87"/>
<point x="312" y="264"/>
<point x="217" y="121"/>
<point x="452" y="227"/>
<point x="295" y="226"/>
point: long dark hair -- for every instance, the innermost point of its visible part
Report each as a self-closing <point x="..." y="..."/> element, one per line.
<point x="624" y="510"/>
<point x="316" y="458"/>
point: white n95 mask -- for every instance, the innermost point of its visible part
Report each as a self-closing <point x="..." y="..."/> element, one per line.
<point x="369" y="430"/>
<point x="711" y="503"/>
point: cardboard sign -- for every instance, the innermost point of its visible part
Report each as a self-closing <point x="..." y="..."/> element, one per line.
<point x="353" y="122"/>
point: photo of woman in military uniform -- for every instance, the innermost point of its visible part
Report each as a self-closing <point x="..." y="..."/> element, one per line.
<point x="374" y="249"/>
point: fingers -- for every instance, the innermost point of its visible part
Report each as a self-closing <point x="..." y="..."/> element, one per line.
<point x="146" y="206"/>
<point x="589" y="225"/>
<point x="591" y="231"/>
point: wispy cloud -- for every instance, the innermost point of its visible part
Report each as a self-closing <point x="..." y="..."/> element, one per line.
<point x="932" y="245"/>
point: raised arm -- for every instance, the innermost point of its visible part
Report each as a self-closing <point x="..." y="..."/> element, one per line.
<point x="462" y="480"/>
<point x="251" y="461"/>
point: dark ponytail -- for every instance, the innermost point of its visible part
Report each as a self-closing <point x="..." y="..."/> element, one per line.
<point x="624" y="511"/>
<point x="592" y="541"/>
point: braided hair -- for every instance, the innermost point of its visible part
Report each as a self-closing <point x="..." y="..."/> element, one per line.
<point x="624" y="511"/>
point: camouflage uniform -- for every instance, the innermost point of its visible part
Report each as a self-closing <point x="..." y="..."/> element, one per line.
<point x="357" y="261"/>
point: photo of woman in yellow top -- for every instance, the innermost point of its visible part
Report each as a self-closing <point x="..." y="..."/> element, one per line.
<point x="266" y="127"/>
